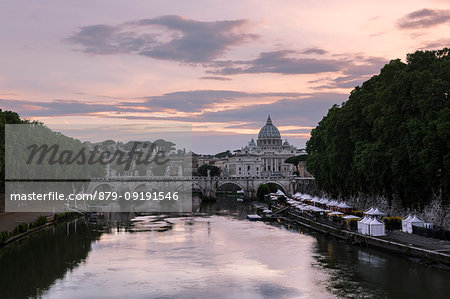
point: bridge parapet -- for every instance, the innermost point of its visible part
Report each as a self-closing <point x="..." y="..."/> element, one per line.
<point x="209" y="185"/>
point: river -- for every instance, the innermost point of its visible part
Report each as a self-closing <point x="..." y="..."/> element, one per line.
<point x="219" y="255"/>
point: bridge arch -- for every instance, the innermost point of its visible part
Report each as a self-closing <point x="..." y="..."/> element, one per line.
<point x="281" y="186"/>
<point x="222" y="184"/>
<point x="104" y="186"/>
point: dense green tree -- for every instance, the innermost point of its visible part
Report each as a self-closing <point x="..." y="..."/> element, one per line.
<point x="263" y="189"/>
<point x="295" y="160"/>
<point x="273" y="187"/>
<point x="6" y="117"/>
<point x="203" y="170"/>
<point x="224" y="154"/>
<point x="392" y="136"/>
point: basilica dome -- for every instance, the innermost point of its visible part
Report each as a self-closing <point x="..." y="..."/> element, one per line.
<point x="269" y="130"/>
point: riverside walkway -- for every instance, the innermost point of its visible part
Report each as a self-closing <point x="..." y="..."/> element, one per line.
<point x="8" y="221"/>
<point x="395" y="241"/>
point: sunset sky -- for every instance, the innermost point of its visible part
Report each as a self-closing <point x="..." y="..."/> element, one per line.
<point x="220" y="66"/>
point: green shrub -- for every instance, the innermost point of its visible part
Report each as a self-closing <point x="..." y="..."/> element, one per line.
<point x="21" y="228"/>
<point x="41" y="220"/>
<point x="58" y="218"/>
<point x="4" y="236"/>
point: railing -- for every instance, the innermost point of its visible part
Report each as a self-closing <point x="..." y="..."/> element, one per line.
<point x="436" y="233"/>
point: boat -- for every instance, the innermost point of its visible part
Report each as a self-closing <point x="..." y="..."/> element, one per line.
<point x="254" y="217"/>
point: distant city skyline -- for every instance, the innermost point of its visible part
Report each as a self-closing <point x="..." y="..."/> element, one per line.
<point x="220" y="67"/>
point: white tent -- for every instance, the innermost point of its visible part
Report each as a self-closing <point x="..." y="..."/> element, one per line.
<point x="315" y="199"/>
<point x="335" y="213"/>
<point x="405" y="223"/>
<point x="306" y="197"/>
<point x="279" y="192"/>
<point x="379" y="213"/>
<point x="376" y="228"/>
<point x="333" y="203"/>
<point x="297" y="195"/>
<point x="344" y="205"/>
<point x="325" y="201"/>
<point x="416" y="221"/>
<point x="364" y="226"/>
<point x="360" y="225"/>
<point x="369" y="211"/>
<point x="351" y="217"/>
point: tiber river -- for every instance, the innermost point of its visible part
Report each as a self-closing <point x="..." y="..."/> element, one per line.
<point x="218" y="256"/>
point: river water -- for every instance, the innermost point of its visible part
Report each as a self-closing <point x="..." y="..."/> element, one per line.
<point x="219" y="255"/>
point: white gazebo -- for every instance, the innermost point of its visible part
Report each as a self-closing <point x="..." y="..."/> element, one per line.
<point x="364" y="225"/>
<point x="351" y="217"/>
<point x="377" y="228"/>
<point x="405" y="223"/>
<point x="306" y="197"/>
<point x="297" y="195"/>
<point x="369" y="211"/>
<point x="324" y="201"/>
<point x="416" y="221"/>
<point x="378" y="213"/>
<point x="335" y="213"/>
<point x="279" y="192"/>
<point x="344" y="205"/>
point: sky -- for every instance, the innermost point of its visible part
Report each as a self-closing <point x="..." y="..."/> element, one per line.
<point x="219" y="67"/>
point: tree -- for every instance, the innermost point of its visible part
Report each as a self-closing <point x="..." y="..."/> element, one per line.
<point x="263" y="189"/>
<point x="227" y="153"/>
<point x="392" y="136"/>
<point x="295" y="160"/>
<point x="273" y="187"/>
<point x="214" y="170"/>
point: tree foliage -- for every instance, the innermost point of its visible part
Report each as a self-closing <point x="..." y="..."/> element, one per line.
<point x="392" y="136"/>
<point x="6" y="117"/>
<point x="295" y="160"/>
<point x="203" y="170"/>
<point x="263" y="189"/>
<point x="224" y="154"/>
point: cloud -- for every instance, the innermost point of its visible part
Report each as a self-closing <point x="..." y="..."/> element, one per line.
<point x="281" y="62"/>
<point x="354" y="73"/>
<point x="314" y="50"/>
<point x="437" y="44"/>
<point x="168" y="37"/>
<point x="191" y="101"/>
<point x="194" y="106"/>
<point x="215" y="78"/>
<point x="57" y="107"/>
<point x="424" y="18"/>
<point x="306" y="110"/>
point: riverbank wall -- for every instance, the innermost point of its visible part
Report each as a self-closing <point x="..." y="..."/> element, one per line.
<point x="436" y="211"/>
<point x="423" y="255"/>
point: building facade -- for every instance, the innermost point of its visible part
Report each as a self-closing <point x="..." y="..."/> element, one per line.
<point x="263" y="158"/>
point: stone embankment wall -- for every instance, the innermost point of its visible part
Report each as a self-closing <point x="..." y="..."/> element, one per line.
<point x="435" y="212"/>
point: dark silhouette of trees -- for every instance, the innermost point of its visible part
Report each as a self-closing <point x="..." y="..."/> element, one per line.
<point x="392" y="136"/>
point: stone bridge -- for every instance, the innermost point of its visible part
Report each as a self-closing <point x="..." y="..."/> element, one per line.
<point x="206" y="185"/>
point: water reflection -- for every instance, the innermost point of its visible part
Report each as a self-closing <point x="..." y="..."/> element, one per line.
<point x="366" y="273"/>
<point x="218" y="256"/>
<point x="29" y="267"/>
<point x="207" y="257"/>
